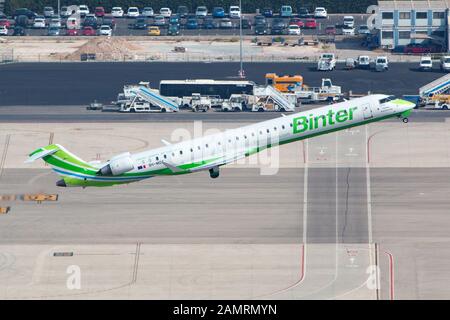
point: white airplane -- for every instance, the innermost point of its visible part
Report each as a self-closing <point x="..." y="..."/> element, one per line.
<point x="210" y="152"/>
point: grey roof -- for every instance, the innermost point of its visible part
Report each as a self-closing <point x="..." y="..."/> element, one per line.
<point x="413" y="5"/>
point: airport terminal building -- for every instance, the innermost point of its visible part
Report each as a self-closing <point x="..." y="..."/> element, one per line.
<point x="403" y="22"/>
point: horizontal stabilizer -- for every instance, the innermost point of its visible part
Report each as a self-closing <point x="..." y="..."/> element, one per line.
<point x="40" y="154"/>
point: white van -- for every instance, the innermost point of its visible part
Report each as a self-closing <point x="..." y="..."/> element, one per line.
<point x="445" y="63"/>
<point x="235" y="12"/>
<point x="73" y="23"/>
<point x="349" y="21"/>
<point x="286" y="11"/>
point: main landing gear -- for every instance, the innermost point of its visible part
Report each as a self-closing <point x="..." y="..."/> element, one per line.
<point x="405" y="120"/>
<point x="214" y="172"/>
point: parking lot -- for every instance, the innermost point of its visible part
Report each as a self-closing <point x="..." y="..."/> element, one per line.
<point x="125" y="26"/>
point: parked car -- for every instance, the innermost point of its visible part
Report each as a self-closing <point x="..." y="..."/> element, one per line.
<point x="22" y="21"/>
<point x="154" y="31"/>
<point x="3" y="30"/>
<point x="90" y="21"/>
<point x="320" y="12"/>
<point x="53" y="31"/>
<point x="310" y="23"/>
<point x="297" y="22"/>
<point x="174" y="19"/>
<point x="19" y="31"/>
<point x="88" y="31"/>
<point x="72" y="32"/>
<point x="259" y="19"/>
<point x="109" y="21"/>
<point x="426" y="63"/>
<point x="165" y="12"/>
<point x="349" y="21"/>
<point x="226" y="23"/>
<point x="183" y="11"/>
<point x="445" y="63"/>
<point x="105" y="30"/>
<point x="192" y="24"/>
<point x="83" y="10"/>
<point x="294" y="30"/>
<point x="6" y="23"/>
<point x="363" y="29"/>
<point x="218" y="12"/>
<point x="303" y="12"/>
<point x="39" y="23"/>
<point x="201" y="11"/>
<point x="133" y="12"/>
<point x="55" y="23"/>
<point x="159" y="21"/>
<point x="235" y="12"/>
<point x="147" y="12"/>
<point x="348" y="31"/>
<point x="24" y="12"/>
<point x="173" y="30"/>
<point x="64" y="12"/>
<point x="48" y="12"/>
<point x="140" y="24"/>
<point x="267" y="12"/>
<point x="246" y="23"/>
<point x="99" y="12"/>
<point x="209" y="23"/>
<point x="117" y="12"/>
<point x="286" y="11"/>
<point x="260" y="29"/>
<point x="330" y="30"/>
<point x="278" y="26"/>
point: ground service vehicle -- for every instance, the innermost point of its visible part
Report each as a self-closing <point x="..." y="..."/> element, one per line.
<point x="426" y="63"/>
<point x="363" y="62"/>
<point x="200" y="103"/>
<point x="284" y="83"/>
<point x="381" y="64"/>
<point x="327" y="62"/>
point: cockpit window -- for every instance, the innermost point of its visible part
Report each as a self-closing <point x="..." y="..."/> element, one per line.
<point x="384" y="100"/>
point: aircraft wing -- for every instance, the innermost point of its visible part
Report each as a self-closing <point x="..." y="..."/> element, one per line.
<point x="227" y="158"/>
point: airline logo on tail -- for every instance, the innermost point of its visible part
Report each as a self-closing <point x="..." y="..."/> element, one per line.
<point x="302" y="124"/>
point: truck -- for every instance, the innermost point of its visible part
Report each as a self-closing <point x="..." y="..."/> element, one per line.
<point x="326" y="92"/>
<point x="327" y="62"/>
<point x="200" y="103"/>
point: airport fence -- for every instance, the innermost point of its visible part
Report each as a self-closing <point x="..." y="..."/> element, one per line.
<point x="9" y="56"/>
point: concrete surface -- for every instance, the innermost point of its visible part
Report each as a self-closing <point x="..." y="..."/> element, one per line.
<point x="319" y="227"/>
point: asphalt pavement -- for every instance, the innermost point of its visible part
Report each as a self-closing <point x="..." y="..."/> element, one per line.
<point x="63" y="84"/>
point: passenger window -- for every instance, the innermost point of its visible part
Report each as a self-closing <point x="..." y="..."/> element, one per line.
<point x="181" y="152"/>
<point x="165" y="156"/>
<point x="237" y="138"/>
<point x="268" y="131"/>
<point x="283" y="127"/>
<point x="206" y="145"/>
<point x="157" y="158"/>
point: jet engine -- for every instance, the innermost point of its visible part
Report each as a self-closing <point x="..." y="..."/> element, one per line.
<point x="117" y="165"/>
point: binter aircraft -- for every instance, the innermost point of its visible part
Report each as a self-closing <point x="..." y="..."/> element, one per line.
<point x="210" y="152"/>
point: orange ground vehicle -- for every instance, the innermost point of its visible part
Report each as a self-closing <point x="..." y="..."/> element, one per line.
<point x="285" y="83"/>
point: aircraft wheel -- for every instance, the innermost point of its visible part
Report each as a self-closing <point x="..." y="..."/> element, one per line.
<point x="405" y="120"/>
<point x="214" y="172"/>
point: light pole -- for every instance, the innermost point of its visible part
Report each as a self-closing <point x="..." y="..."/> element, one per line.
<point x="241" y="70"/>
<point x="59" y="8"/>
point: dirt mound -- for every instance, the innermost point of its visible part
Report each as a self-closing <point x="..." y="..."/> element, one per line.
<point x="106" y="47"/>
